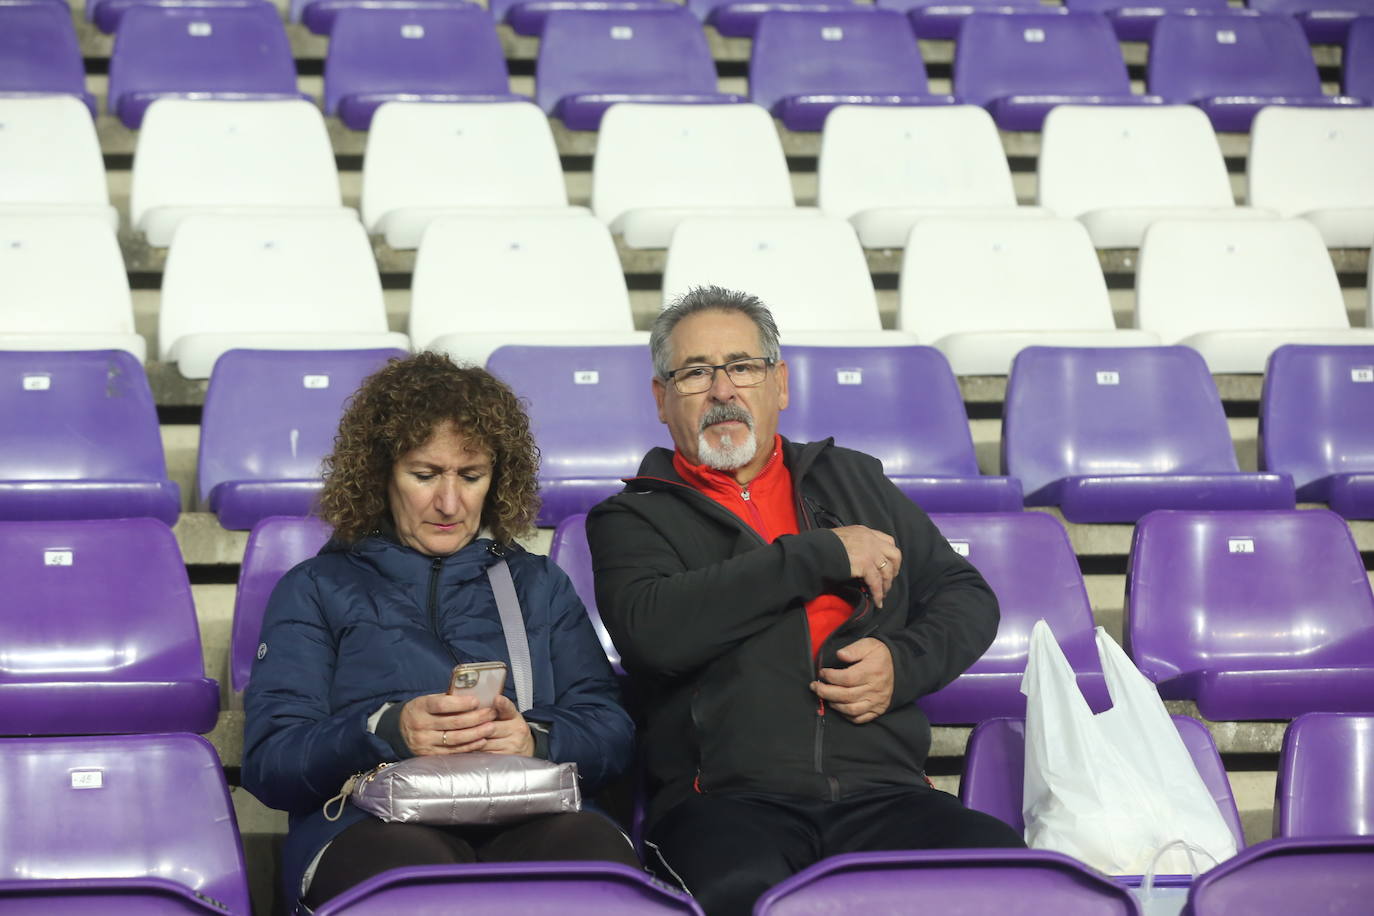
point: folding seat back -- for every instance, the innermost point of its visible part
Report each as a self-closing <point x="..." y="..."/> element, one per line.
<point x="738" y="18"/>
<point x="1293" y="875"/>
<point x="934" y="19"/>
<point x="39" y="52"/>
<point x="1324" y="774"/>
<point x="51" y="156"/>
<point x="1255" y="615"/>
<point x="573" y="555"/>
<point x="1357" y="60"/>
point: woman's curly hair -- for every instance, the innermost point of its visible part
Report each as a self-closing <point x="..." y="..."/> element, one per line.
<point x="397" y="409"/>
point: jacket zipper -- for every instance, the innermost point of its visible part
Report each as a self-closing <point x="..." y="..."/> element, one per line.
<point x="805" y="523"/>
<point x="435" y="568"/>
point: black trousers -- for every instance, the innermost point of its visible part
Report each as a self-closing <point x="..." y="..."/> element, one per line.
<point x="728" y="849"/>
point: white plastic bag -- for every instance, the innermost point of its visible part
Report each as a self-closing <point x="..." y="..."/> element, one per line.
<point x="1111" y="789"/>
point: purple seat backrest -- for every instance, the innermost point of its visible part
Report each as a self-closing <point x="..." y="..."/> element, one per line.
<point x="1164" y="6"/>
<point x="1136" y="410"/>
<point x="702" y="9"/>
<point x="1357" y="61"/>
<point x="274" y="546"/>
<point x="1283" y="876"/>
<point x="1326" y="769"/>
<point x="39" y="51"/>
<point x="1293" y="7"/>
<point x="1317" y="412"/>
<point x="1221" y="54"/>
<point x="973" y="6"/>
<point x="572" y="554"/>
<point x="1003" y="54"/>
<point x="129" y="807"/>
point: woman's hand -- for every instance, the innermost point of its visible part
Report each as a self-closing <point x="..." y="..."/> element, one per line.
<point x="438" y="724"/>
<point x="510" y="733"/>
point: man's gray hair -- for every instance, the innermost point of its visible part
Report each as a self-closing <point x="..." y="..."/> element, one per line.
<point x="708" y="299"/>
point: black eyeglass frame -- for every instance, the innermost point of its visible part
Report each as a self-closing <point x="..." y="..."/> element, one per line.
<point x="768" y="363"/>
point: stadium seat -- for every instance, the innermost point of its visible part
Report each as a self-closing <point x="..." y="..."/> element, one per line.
<point x="106" y="15"/>
<point x="481" y="283"/>
<point x="100" y="632"/>
<point x="1324" y="21"/>
<point x="941" y="19"/>
<point x="279" y="283"/>
<point x="981" y="290"/>
<point x="431" y="159"/>
<point x="526" y="17"/>
<point x="571" y="553"/>
<point x="590" y="418"/>
<point x="1325" y="770"/>
<point x="1314" y="163"/>
<point x="130" y="824"/>
<point x="39" y="52"/>
<point x="1111" y="434"/>
<point x="63" y="285"/>
<point x="1232" y="65"/>
<point x="1137" y="22"/>
<point x="198" y="52"/>
<point x="902" y="405"/>
<point x="739" y="18"/>
<point x="1317" y="423"/>
<point x="1357" y="59"/>
<point x="1253" y="615"/>
<point x="1020" y="65"/>
<point x="1282" y="876"/>
<point x="269" y="420"/>
<point x="251" y="157"/>
<point x="1117" y="170"/>
<point x="50" y="160"/>
<point x="81" y="439"/>
<point x="319" y="16"/>
<point x="1236" y="289"/>
<point x="592" y="59"/>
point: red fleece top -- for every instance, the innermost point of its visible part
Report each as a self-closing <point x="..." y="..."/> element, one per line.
<point x="765" y="504"/>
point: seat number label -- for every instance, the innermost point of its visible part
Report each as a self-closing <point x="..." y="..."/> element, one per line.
<point x="1241" y="545"/>
<point x="849" y="377"/>
<point x="832" y="33"/>
<point x="1362" y="374"/>
<point x="1108" y="377"/>
<point x="622" y="32"/>
<point x="412" y="30"/>
<point x="315" y="381"/>
<point x="199" y="29"/>
<point x="1226" y="37"/>
<point x="57" y="558"/>
<point x="87" y="779"/>
<point x="37" y="382"/>
<point x="586" y="377"/>
<point x="1034" y="36"/>
<point x="960" y="547"/>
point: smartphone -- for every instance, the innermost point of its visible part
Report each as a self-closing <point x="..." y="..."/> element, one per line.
<point x="484" y="680"/>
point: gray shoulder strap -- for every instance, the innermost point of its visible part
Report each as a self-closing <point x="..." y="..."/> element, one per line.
<point x="517" y="644"/>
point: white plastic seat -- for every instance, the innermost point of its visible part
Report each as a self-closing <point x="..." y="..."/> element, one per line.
<point x="1237" y="290"/>
<point x="1316" y="163"/>
<point x="255" y="157"/>
<point x="481" y="283"/>
<point x="884" y="168"/>
<point x="270" y="282"/>
<point x="50" y="159"/>
<point x="656" y="165"/>
<point x="430" y="159"/>
<point x="1116" y="169"/>
<point x="63" y="285"/>
<point x="981" y="290"/>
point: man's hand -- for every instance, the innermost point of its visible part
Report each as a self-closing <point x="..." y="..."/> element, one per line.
<point x="861" y="692"/>
<point x="437" y="724"/>
<point x="873" y="557"/>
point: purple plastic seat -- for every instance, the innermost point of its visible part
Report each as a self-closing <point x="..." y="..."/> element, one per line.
<point x="81" y="439"/>
<point x="108" y="14"/>
<point x="1324" y="21"/>
<point x="270" y="417"/>
<point x="39" y="53"/>
<point x="591" y="59"/>
<point x="941" y="19"/>
<point x="903" y="406"/>
<point x="1110" y="434"/>
<point x="739" y="18"/>
<point x="1009" y="882"/>
<point x="805" y="63"/>
<point x="571" y="553"/>
<point x="99" y="631"/>
<point x="1317" y="423"/>
<point x="1135" y="21"/>
<point x="222" y="52"/>
<point x="526" y="17"/>
<point x="133" y="824"/>
<point x="1231" y="65"/>
<point x="1281" y="877"/>
<point x="1254" y="615"/>
<point x="590" y="418"/>
<point x="1020" y="65"/>
<point x="1357" y="59"/>
<point x="1325" y="770"/>
<point x="274" y="546"/>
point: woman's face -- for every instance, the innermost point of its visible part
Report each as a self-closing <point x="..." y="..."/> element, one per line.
<point x="437" y="492"/>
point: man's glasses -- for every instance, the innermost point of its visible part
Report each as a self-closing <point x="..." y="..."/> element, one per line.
<point x="742" y="373"/>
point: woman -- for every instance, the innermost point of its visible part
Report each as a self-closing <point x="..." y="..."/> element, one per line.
<point x="431" y="479"/>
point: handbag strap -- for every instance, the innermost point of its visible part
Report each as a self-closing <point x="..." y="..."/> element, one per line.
<point x="517" y="644"/>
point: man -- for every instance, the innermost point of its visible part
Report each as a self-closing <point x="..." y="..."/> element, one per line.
<point x="779" y="606"/>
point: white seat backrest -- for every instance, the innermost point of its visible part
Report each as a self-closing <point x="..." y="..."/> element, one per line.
<point x="516" y="274"/>
<point x="1304" y="159"/>
<point x="811" y="272"/>
<point x="1000" y="275"/>
<point x="62" y="274"/>
<point x="214" y="153"/>
<point x="49" y="153"/>
<point x="1207" y="275"/>
<point x="687" y="156"/>
<point x="1096" y="157"/>
<point x="294" y="274"/>
<point x="875" y="156"/>
<point x="430" y="154"/>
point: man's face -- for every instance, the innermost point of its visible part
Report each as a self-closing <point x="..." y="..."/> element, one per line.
<point x="716" y="426"/>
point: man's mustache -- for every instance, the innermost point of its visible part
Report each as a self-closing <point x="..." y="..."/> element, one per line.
<point x="723" y="413"/>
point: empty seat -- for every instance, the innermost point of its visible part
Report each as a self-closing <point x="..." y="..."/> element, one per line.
<point x="1324" y="21"/>
<point x="942" y="19"/>
<point x="1233" y="65"/>
<point x="1317" y="423"/>
<point x="1108" y="435"/>
<point x="526" y="17"/>
<point x="1136" y="22"/>
<point x="320" y="16"/>
<point x="1325" y="770"/>
<point x="270" y="417"/>
<point x="430" y="159"/>
<point x="253" y="157"/>
<point x="39" y="52"/>
<point x="279" y="283"/>
<point x="1117" y="170"/>
<point x="1288" y="875"/>
<point x="981" y="290"/>
<point x="50" y="160"/>
<point x="81" y="439"/>
<point x="902" y="405"/>
<point x="1314" y="163"/>
<point x="592" y="59"/>
<point x="99" y="631"/>
<point x="238" y="52"/>
<point x="571" y="552"/>
<point x="1357" y="59"/>
<point x="741" y="17"/>
<point x="1236" y="289"/>
<point x="1254" y="615"/>
<point x="1020" y="65"/>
